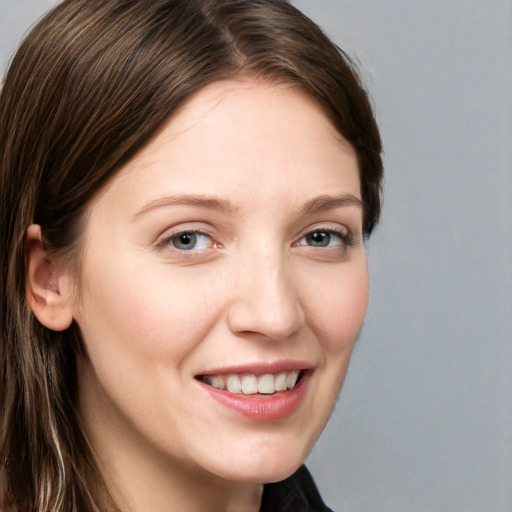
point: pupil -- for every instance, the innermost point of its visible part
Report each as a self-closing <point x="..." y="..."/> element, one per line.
<point x="319" y="238"/>
<point x="185" y="241"/>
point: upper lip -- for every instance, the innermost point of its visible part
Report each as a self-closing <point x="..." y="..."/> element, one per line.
<point x="260" y="368"/>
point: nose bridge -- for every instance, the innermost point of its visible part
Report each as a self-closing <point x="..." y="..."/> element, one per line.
<point x="266" y="300"/>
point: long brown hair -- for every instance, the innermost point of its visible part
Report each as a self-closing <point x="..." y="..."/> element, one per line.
<point x="89" y="87"/>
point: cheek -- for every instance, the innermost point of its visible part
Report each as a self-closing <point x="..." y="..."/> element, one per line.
<point x="135" y="314"/>
<point x="338" y="308"/>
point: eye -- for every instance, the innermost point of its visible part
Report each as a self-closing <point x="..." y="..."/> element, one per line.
<point x="189" y="240"/>
<point x="320" y="239"/>
<point x="326" y="238"/>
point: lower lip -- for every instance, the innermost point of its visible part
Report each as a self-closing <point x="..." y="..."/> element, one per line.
<point x="262" y="407"/>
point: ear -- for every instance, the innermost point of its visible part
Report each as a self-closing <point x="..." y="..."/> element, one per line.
<point x="49" y="290"/>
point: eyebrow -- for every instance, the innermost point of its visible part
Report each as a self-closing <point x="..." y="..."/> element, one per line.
<point x="317" y="204"/>
<point x="203" y="201"/>
<point x="327" y="202"/>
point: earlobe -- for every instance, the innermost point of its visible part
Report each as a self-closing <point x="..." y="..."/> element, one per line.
<point x="47" y="288"/>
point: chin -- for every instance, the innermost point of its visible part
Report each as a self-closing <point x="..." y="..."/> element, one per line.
<point x="268" y="475"/>
<point x="264" y="464"/>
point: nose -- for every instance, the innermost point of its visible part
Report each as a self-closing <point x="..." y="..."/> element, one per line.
<point x="265" y="301"/>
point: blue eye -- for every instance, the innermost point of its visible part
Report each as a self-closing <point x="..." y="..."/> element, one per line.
<point x="190" y="240"/>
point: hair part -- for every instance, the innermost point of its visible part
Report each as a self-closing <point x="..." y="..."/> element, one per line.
<point x="90" y="86"/>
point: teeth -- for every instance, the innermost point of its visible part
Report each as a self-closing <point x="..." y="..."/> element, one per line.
<point x="249" y="384"/>
<point x="266" y="384"/>
<point x="233" y="384"/>
<point x="280" y="382"/>
<point x="217" y="381"/>
<point x="291" y="379"/>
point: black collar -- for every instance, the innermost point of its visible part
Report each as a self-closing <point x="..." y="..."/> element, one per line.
<point x="298" y="493"/>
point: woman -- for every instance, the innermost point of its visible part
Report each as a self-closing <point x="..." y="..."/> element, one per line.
<point x="187" y="186"/>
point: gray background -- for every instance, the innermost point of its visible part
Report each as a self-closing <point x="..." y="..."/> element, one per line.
<point x="424" y="423"/>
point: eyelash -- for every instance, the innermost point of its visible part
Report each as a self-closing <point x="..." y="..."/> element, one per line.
<point x="169" y="241"/>
<point x="345" y="238"/>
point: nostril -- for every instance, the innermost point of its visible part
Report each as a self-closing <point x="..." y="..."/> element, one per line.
<point x="273" y="317"/>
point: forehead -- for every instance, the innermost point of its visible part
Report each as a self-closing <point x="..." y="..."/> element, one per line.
<point x="237" y="134"/>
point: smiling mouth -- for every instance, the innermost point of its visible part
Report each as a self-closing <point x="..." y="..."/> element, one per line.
<point x="251" y="384"/>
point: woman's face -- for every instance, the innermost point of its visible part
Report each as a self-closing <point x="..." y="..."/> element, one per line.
<point x="223" y="285"/>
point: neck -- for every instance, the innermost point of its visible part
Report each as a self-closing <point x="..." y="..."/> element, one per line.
<point x="173" y="490"/>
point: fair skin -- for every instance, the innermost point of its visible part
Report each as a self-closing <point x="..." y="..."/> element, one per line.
<point x="229" y="249"/>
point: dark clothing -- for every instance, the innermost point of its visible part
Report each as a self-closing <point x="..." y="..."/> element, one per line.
<point x="297" y="493"/>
